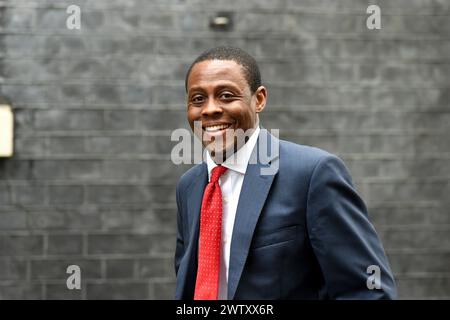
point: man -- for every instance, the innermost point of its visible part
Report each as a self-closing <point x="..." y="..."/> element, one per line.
<point x="300" y="232"/>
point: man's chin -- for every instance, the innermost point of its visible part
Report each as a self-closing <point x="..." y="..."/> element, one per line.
<point x="220" y="155"/>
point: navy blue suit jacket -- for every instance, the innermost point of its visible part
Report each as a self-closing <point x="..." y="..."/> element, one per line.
<point x="299" y="233"/>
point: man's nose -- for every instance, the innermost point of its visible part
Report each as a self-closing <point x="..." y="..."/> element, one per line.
<point x="211" y="107"/>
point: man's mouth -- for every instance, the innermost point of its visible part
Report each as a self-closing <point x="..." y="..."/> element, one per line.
<point x="216" y="128"/>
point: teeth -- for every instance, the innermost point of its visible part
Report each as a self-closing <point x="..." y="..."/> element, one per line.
<point x="216" y="128"/>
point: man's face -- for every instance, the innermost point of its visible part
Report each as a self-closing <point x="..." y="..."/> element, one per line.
<point x="219" y="96"/>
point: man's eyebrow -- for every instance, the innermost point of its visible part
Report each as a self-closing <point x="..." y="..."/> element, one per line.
<point x="228" y="85"/>
<point x="196" y="88"/>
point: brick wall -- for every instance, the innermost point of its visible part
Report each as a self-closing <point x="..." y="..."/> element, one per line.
<point x="91" y="182"/>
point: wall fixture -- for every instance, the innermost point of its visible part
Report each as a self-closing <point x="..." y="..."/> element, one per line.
<point x="222" y="21"/>
<point x="6" y="131"/>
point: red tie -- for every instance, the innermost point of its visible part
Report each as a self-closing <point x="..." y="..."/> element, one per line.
<point x="207" y="284"/>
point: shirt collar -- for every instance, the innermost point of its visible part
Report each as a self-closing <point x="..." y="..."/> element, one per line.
<point x="237" y="162"/>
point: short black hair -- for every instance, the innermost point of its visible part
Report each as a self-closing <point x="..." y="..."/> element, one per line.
<point x="245" y="60"/>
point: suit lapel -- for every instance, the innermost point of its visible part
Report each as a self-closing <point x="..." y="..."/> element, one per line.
<point x="194" y="201"/>
<point x="255" y="189"/>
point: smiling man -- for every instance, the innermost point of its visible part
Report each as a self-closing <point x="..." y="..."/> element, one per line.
<point x="301" y="232"/>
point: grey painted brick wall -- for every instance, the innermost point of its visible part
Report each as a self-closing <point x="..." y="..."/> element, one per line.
<point x="91" y="182"/>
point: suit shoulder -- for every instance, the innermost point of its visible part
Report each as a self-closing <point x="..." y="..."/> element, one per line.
<point x="301" y="158"/>
<point x="189" y="176"/>
<point x="306" y="154"/>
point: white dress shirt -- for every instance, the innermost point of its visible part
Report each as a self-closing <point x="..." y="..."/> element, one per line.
<point x="230" y="183"/>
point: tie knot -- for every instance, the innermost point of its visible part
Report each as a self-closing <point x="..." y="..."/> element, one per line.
<point x="217" y="172"/>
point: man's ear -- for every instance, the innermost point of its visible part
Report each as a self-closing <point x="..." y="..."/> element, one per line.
<point x="261" y="98"/>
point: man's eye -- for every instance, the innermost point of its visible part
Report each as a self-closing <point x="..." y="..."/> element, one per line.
<point x="197" y="99"/>
<point x="226" y="95"/>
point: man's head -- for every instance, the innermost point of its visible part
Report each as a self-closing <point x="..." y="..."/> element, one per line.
<point x="246" y="61"/>
<point x="224" y="92"/>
